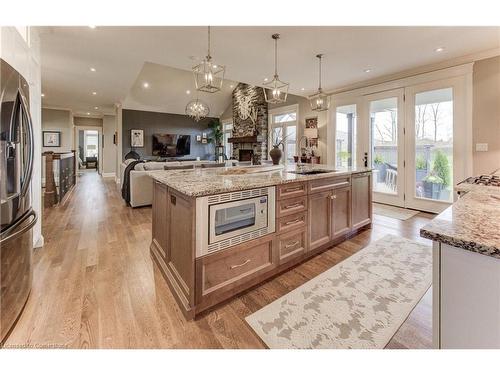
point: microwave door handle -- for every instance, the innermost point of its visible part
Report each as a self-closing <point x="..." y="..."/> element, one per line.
<point x="28" y="124"/>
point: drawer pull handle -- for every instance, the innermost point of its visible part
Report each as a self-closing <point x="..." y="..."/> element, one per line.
<point x="291" y="244"/>
<point x="333" y="196"/>
<point x="292" y="222"/>
<point x="240" y="265"/>
<point x="289" y="190"/>
<point x="292" y="206"/>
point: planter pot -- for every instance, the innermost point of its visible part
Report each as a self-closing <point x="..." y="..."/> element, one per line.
<point x="275" y="154"/>
<point x="420" y="174"/>
<point x="432" y="190"/>
<point x="444" y="195"/>
<point x="381" y="171"/>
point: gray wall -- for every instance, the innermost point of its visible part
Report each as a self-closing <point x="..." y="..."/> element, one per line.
<point x="58" y="120"/>
<point x="157" y="122"/>
<point x="109" y="148"/>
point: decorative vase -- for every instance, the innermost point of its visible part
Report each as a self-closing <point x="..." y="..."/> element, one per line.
<point x="275" y="154"/>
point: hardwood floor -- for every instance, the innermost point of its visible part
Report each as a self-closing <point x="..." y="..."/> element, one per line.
<point x="95" y="285"/>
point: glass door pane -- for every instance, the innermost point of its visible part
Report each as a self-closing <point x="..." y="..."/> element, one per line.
<point x="434" y="145"/>
<point x="384" y="145"/>
<point x="345" y="136"/>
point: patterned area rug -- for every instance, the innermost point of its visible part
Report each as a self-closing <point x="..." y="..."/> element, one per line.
<point x="359" y="303"/>
<point x="393" y="212"/>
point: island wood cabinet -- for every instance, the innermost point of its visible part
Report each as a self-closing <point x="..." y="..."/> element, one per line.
<point x="361" y="187"/>
<point x="311" y="216"/>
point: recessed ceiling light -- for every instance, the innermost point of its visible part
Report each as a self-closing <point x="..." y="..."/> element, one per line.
<point x="92" y="69"/>
<point x="439" y="49"/>
<point x="367" y="70"/>
<point x="94" y="93"/>
<point x="231" y="86"/>
<point x="188" y="92"/>
<point x="302" y="89"/>
<point x="265" y="79"/>
<point x="43" y="95"/>
<point x="145" y="85"/>
<point x="96" y="107"/>
<point x="92" y="26"/>
<point x="88" y="113"/>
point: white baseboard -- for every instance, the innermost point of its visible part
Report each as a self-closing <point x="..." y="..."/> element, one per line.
<point x="39" y="243"/>
<point x="108" y="175"/>
<point x="117" y="180"/>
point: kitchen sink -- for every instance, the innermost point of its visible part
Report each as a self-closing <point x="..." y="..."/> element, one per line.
<point x="312" y="171"/>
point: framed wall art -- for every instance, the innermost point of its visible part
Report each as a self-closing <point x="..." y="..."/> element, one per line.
<point x="136" y="138"/>
<point x="51" y="138"/>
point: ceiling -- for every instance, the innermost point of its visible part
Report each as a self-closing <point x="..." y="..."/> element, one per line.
<point x="125" y="57"/>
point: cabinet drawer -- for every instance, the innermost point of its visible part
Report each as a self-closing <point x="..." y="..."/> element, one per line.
<point x="291" y="244"/>
<point x="328" y="184"/>
<point x="295" y="189"/>
<point x="235" y="265"/>
<point x="291" y="206"/>
<point x="291" y="222"/>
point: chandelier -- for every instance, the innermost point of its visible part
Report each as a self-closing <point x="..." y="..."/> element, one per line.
<point x="319" y="101"/>
<point x="196" y="109"/>
<point x="275" y="91"/>
<point x="208" y="76"/>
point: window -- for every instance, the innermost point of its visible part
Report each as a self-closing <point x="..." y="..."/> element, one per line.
<point x="284" y="125"/>
<point x="227" y="129"/>
<point x="345" y="136"/>
<point x="91" y="143"/>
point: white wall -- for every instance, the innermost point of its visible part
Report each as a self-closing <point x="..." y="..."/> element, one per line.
<point x="24" y="56"/>
<point x="109" y="148"/>
<point x="59" y="120"/>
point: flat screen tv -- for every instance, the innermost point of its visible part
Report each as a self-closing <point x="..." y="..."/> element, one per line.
<point x="171" y="145"/>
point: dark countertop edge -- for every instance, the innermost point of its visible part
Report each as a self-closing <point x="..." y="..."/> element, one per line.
<point x="230" y="190"/>
<point x="466" y="245"/>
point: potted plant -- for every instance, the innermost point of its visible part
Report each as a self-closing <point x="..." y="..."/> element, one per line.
<point x="277" y="140"/>
<point x="379" y="165"/>
<point x="432" y="185"/>
<point x="216" y="138"/>
<point x="420" y="169"/>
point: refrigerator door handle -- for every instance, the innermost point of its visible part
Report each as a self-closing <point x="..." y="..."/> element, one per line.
<point x="26" y="119"/>
<point x="26" y="228"/>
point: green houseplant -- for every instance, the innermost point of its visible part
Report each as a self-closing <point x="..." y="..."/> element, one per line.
<point x="216" y="137"/>
<point x="441" y="168"/>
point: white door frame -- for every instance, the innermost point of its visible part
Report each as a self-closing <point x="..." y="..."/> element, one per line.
<point x="380" y="197"/>
<point x="100" y="143"/>
<point x="461" y="140"/>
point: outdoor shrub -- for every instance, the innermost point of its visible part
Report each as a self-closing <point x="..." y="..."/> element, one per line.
<point x="378" y="159"/>
<point x="442" y="168"/>
<point x="420" y="163"/>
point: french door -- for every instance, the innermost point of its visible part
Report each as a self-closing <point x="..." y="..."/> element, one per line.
<point x="417" y="146"/>
<point x="435" y="143"/>
<point x="387" y="145"/>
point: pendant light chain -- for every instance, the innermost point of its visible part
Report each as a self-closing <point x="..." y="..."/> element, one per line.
<point x="276" y="56"/>
<point x="208" y="55"/>
<point x="320" y="72"/>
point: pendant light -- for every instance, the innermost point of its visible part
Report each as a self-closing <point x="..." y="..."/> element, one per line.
<point x="275" y="91"/>
<point x="196" y="109"/>
<point x="208" y="76"/>
<point x="320" y="101"/>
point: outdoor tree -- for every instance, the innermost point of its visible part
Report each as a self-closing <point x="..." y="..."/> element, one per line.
<point x="435" y="118"/>
<point x="420" y="118"/>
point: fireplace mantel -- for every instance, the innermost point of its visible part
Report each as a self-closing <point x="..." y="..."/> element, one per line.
<point x="247" y="139"/>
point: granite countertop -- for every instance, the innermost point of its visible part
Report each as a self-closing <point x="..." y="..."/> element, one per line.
<point x="200" y="182"/>
<point x="471" y="223"/>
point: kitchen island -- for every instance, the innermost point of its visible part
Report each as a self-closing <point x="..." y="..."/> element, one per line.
<point x="466" y="270"/>
<point x="219" y="231"/>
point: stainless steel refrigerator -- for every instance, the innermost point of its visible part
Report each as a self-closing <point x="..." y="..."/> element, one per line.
<point x="17" y="215"/>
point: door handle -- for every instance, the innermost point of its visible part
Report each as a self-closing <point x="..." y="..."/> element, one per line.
<point x="292" y="222"/>
<point x="26" y="119"/>
<point x="23" y="230"/>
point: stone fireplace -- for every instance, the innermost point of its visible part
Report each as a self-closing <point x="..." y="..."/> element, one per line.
<point x="245" y="155"/>
<point x="249" y="133"/>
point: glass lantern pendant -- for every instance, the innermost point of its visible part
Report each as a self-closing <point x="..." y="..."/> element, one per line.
<point x="208" y="76"/>
<point x="275" y="91"/>
<point x="320" y="101"/>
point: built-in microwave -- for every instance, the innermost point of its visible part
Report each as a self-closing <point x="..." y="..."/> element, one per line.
<point x="228" y="219"/>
